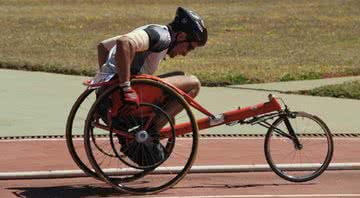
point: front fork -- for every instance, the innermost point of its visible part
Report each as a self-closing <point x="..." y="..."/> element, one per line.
<point x="292" y="135"/>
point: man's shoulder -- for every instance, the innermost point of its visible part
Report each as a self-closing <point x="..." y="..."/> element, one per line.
<point x="157" y="27"/>
<point x="159" y="36"/>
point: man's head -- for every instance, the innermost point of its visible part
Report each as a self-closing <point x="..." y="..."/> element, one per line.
<point x="189" y="30"/>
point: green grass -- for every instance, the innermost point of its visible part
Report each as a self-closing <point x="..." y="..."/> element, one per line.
<point x="344" y="90"/>
<point x="249" y="41"/>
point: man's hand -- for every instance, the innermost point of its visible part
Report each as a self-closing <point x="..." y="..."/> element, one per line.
<point x="129" y="94"/>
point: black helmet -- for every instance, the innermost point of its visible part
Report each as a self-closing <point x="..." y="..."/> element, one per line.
<point x="191" y="23"/>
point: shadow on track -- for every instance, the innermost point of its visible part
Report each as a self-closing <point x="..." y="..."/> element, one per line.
<point x="232" y="186"/>
<point x="96" y="191"/>
<point x="64" y="191"/>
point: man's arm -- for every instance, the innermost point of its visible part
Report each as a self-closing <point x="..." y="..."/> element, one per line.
<point x="102" y="54"/>
<point x="125" y="52"/>
<point x="104" y="47"/>
<point x="126" y="48"/>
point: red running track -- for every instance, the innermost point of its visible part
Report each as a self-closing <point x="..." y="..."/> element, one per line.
<point x="42" y="155"/>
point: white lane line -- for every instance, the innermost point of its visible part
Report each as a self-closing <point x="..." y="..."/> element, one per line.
<point x="172" y="169"/>
<point x="33" y="140"/>
<point x="202" y="139"/>
<point x="266" y="196"/>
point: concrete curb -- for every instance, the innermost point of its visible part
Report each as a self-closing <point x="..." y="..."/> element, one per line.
<point x="57" y="174"/>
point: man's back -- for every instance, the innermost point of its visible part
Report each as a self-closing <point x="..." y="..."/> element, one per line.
<point x="144" y="62"/>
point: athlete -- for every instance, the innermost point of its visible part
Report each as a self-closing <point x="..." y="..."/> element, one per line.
<point x="141" y="51"/>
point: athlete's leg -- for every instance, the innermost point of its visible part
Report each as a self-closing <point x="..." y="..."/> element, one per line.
<point x="189" y="84"/>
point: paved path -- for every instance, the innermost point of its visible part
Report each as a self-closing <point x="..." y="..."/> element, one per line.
<point x="296" y="85"/>
<point x="37" y="103"/>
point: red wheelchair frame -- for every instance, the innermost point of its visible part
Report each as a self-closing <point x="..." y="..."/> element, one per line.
<point x="207" y="122"/>
<point x="278" y="131"/>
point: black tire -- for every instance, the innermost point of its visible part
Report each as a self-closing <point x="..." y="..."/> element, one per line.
<point x="74" y="129"/>
<point x="74" y="135"/>
<point x="182" y="154"/>
<point x="314" y="153"/>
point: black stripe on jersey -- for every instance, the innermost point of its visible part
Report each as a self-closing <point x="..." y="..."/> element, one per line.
<point x="158" y="39"/>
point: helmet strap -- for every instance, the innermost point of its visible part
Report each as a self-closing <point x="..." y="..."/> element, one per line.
<point x="174" y="41"/>
<point x="173" y="37"/>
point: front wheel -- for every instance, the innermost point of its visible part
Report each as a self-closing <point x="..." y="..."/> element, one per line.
<point x="298" y="147"/>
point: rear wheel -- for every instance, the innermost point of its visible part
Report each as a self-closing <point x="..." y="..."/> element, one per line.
<point x="162" y="159"/>
<point x="298" y="147"/>
<point x="75" y="135"/>
<point x="75" y="129"/>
